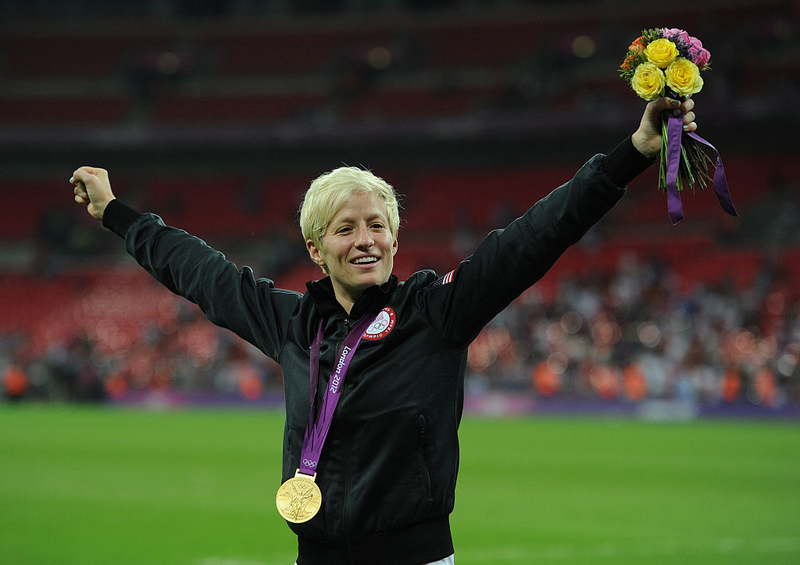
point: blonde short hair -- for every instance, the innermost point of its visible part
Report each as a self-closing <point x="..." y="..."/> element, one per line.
<point x="328" y="193"/>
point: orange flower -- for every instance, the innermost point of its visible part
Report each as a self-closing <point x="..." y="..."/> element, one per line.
<point x="637" y="46"/>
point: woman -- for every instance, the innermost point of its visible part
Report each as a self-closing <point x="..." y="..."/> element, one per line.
<point x="370" y="475"/>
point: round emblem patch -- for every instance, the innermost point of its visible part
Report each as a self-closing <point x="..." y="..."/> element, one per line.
<point x="382" y="326"/>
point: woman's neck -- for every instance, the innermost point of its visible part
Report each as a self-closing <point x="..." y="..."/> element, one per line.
<point x="346" y="303"/>
<point x="345" y="298"/>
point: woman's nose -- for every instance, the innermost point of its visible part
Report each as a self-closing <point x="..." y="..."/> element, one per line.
<point x="364" y="237"/>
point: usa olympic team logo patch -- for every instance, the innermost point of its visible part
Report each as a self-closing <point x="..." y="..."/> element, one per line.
<point x="382" y="326"/>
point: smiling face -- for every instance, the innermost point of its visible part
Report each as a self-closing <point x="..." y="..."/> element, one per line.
<point x="357" y="248"/>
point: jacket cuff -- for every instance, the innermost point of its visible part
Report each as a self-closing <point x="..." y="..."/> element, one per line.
<point x="118" y="217"/>
<point x="625" y="163"/>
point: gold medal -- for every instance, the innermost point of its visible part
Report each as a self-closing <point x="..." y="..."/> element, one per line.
<point x="299" y="498"/>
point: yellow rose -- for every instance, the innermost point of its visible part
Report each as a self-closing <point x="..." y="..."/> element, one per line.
<point x="648" y="81"/>
<point x="683" y="77"/>
<point x="661" y="52"/>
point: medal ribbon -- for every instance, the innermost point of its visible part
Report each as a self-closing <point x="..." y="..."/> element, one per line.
<point x="318" y="427"/>
<point x="674" y="205"/>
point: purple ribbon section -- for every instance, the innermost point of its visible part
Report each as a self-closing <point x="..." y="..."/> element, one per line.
<point x="720" y="182"/>
<point x="674" y="132"/>
<point x="318" y="426"/>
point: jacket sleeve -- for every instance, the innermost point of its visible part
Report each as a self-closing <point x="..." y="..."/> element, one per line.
<point x="510" y="260"/>
<point x="229" y="297"/>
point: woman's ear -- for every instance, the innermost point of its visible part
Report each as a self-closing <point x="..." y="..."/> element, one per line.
<point x="314" y="253"/>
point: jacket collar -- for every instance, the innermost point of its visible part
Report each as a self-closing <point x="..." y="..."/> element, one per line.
<point x="371" y="300"/>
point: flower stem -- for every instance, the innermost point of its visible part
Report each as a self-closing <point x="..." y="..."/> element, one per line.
<point x="662" y="166"/>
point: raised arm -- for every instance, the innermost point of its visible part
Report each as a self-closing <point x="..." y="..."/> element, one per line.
<point x="510" y="260"/>
<point x="93" y="188"/>
<point x="230" y="297"/>
<point x="647" y="139"/>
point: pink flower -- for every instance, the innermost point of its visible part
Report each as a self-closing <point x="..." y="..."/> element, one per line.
<point x="701" y="57"/>
<point x="676" y="34"/>
<point x="694" y="43"/>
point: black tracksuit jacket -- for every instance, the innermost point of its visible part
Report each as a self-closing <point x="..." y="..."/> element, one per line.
<point x="389" y="466"/>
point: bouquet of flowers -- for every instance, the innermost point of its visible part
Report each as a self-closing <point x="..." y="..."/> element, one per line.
<point x="669" y="62"/>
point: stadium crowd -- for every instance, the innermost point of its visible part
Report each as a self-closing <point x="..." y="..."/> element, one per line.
<point x="636" y="331"/>
<point x="628" y="334"/>
<point x="631" y="334"/>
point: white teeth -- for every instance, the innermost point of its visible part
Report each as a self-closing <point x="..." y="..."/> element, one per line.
<point x="363" y="260"/>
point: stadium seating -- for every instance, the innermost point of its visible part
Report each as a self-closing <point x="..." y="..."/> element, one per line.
<point x="216" y="79"/>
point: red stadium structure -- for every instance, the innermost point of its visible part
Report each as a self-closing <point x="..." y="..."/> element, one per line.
<point x="217" y="120"/>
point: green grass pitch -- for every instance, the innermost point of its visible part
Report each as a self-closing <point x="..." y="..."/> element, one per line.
<point x="196" y="487"/>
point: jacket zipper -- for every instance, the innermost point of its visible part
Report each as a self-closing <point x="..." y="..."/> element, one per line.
<point x="422" y="435"/>
<point x="345" y="526"/>
<point x="346" y="491"/>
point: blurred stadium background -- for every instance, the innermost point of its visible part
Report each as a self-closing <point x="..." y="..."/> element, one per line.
<point x="216" y="114"/>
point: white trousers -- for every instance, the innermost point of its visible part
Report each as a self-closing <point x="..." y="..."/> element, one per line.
<point x="446" y="561"/>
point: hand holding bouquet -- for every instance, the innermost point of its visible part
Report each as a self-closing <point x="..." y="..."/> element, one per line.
<point x="668" y="62"/>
